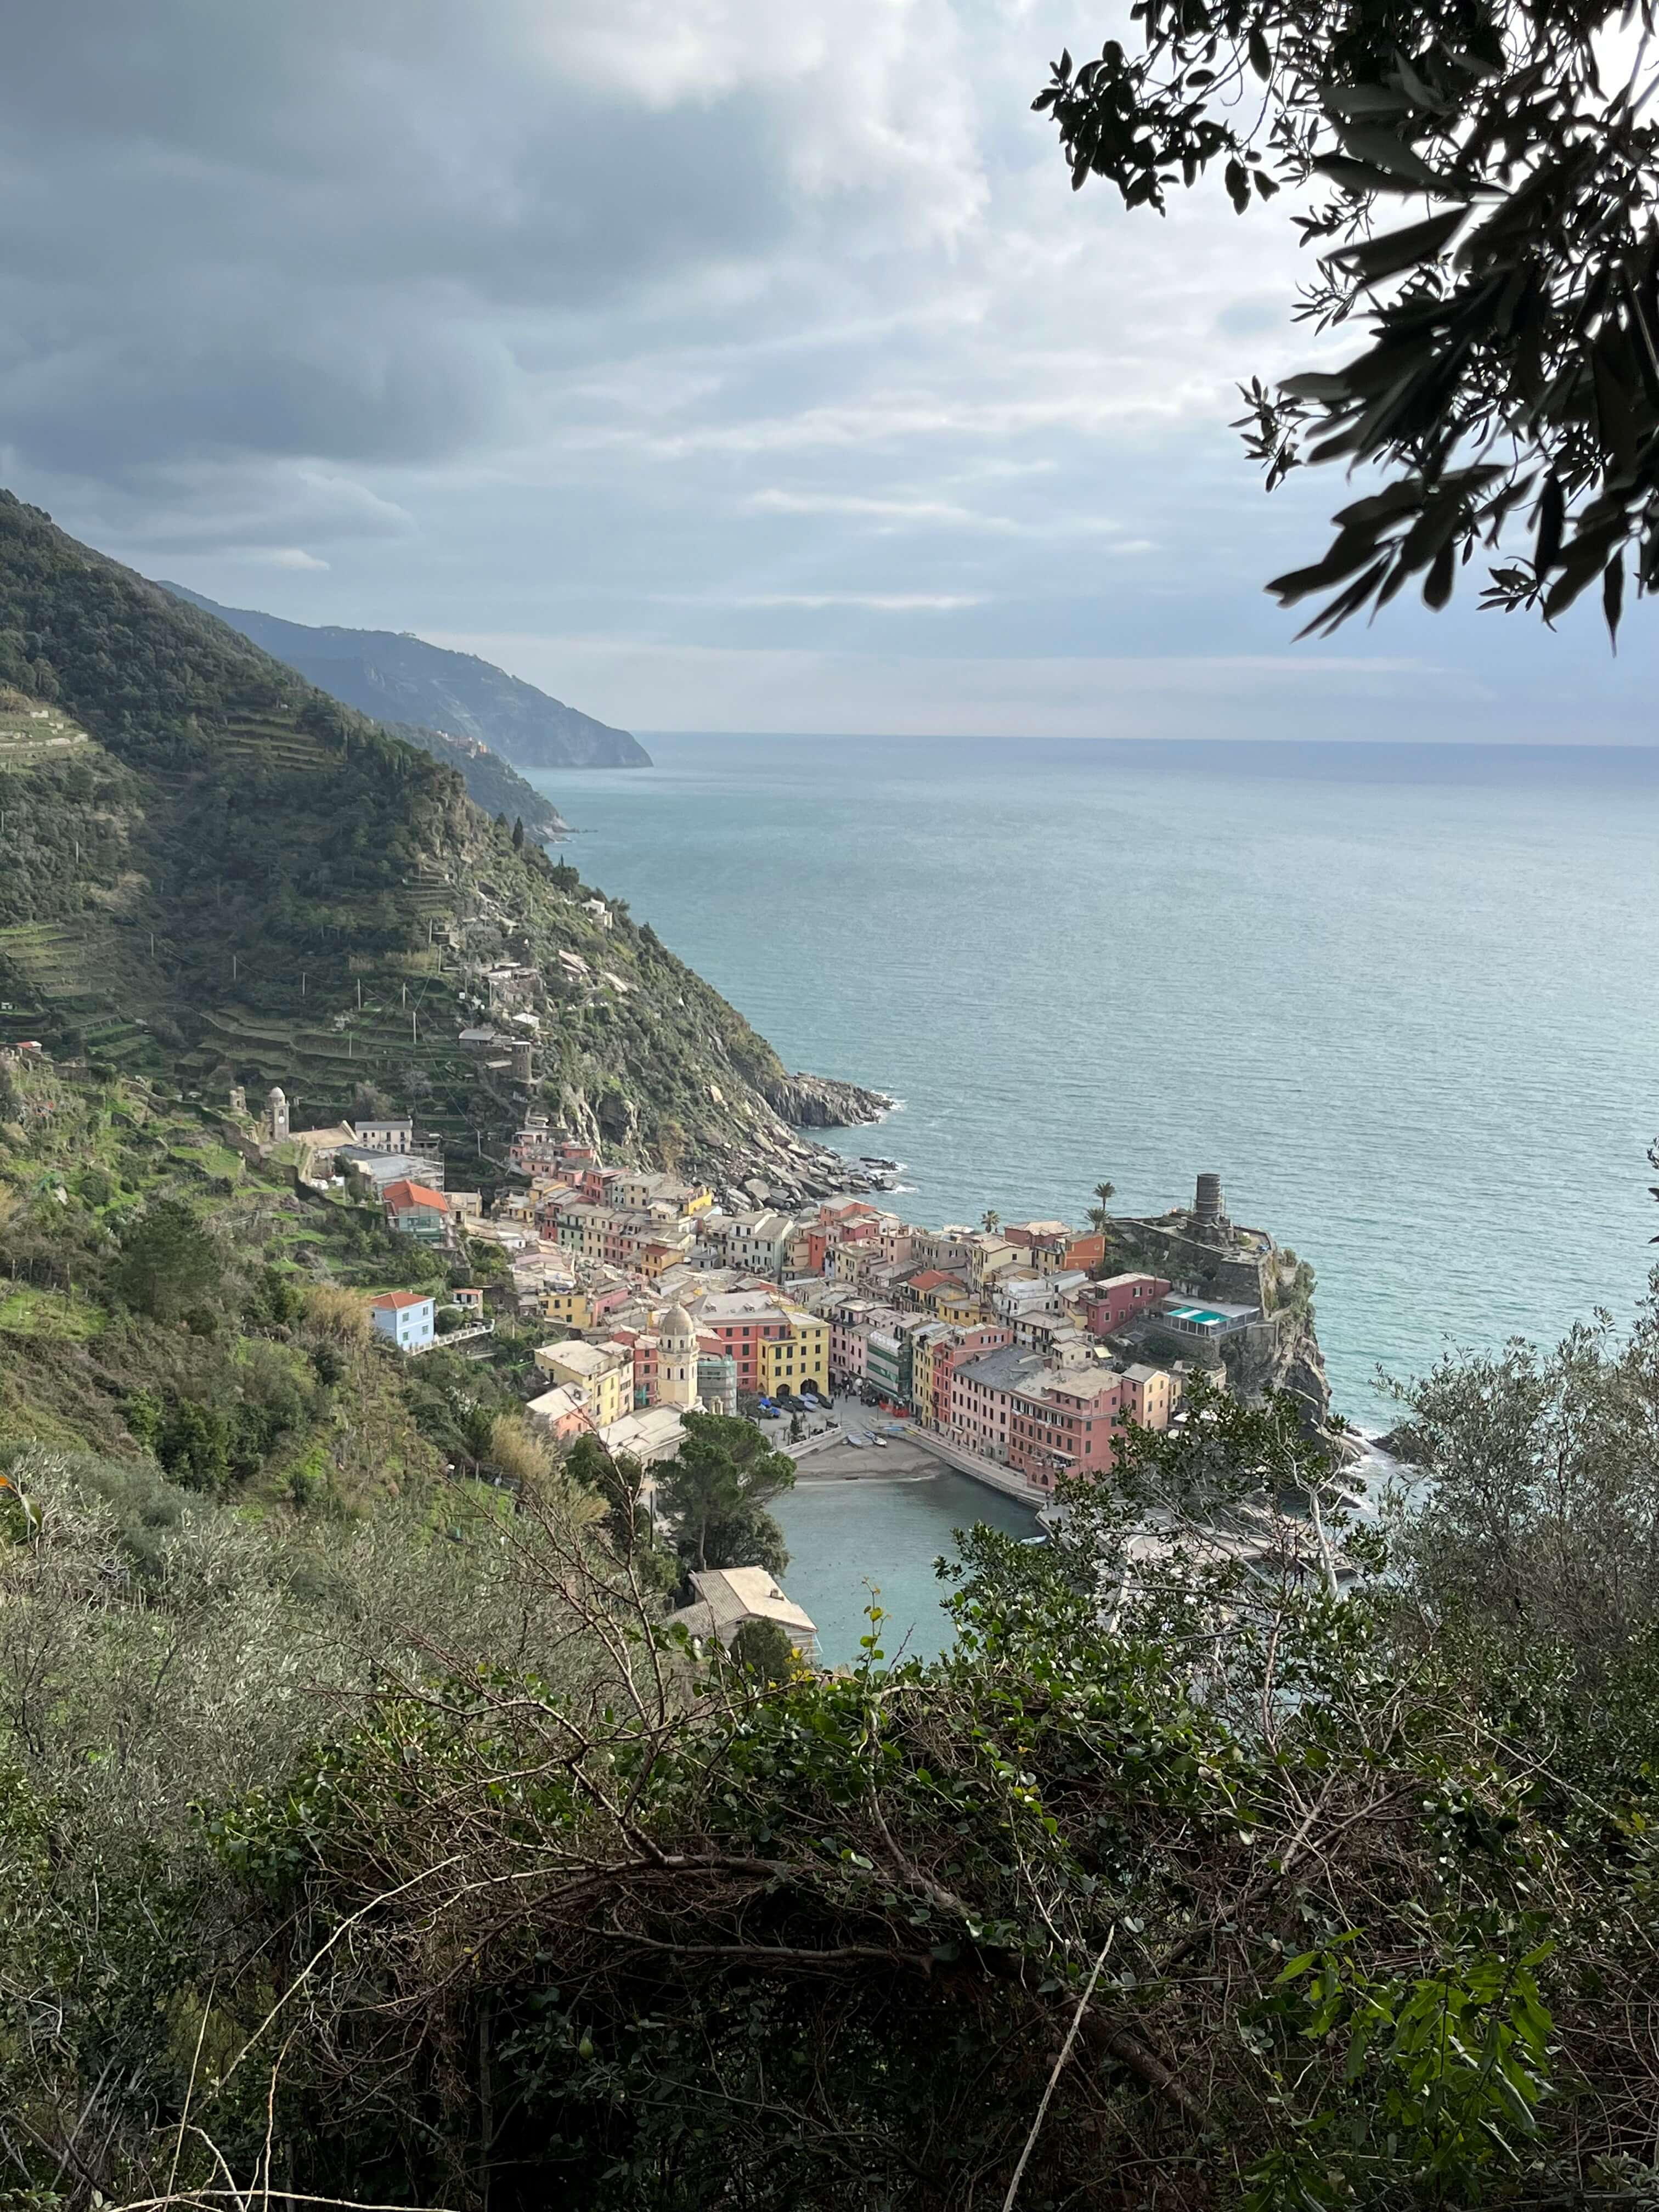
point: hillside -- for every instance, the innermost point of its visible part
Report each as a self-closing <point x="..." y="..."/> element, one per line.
<point x="221" y="875"/>
<point x="397" y="677"/>
<point x="490" y="783"/>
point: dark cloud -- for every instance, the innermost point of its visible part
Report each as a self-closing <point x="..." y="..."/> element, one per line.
<point x="308" y="230"/>
<point x="703" y="346"/>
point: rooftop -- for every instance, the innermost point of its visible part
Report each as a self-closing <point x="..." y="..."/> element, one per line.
<point x="727" y="1596"/>
<point x="414" y="1193"/>
<point x="396" y="1300"/>
<point x="1012" y="1368"/>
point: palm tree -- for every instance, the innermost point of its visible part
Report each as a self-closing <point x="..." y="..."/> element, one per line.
<point x="990" y="1220"/>
<point x="1099" y="1219"/>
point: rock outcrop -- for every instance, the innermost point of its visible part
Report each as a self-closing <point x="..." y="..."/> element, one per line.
<point x="1211" y="1257"/>
<point x="820" y="1101"/>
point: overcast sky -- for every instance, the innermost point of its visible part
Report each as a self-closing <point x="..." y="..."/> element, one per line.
<point x="717" y="364"/>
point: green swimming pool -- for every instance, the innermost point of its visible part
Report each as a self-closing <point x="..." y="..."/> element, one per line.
<point x="1200" y="1317"/>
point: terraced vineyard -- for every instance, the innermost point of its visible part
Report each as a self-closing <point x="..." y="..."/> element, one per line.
<point x="270" y="741"/>
<point x="54" y="960"/>
<point x="382" y="1042"/>
<point x="31" y="733"/>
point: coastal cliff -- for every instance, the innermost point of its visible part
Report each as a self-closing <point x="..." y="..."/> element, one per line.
<point x="819" y="1101"/>
<point x="1206" y="1252"/>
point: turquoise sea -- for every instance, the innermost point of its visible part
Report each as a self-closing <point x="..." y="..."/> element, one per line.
<point x="1401" y="997"/>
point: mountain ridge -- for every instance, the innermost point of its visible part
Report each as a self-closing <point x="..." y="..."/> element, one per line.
<point x="397" y="677"/>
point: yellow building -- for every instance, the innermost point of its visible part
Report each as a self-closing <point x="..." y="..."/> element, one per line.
<point x="991" y="1256"/>
<point x="656" y="1255"/>
<point x="799" y="1359"/>
<point x="959" y="1307"/>
<point x="574" y="1308"/>
<point x="603" y="1372"/>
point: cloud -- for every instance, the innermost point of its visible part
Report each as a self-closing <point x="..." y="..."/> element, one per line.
<point x="863" y="504"/>
<point x="687" y="333"/>
<point x="892" y="603"/>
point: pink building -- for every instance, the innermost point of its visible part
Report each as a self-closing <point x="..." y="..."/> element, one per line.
<point x="1119" y="1299"/>
<point x="1014" y="1406"/>
<point x="849" y="1340"/>
<point x="1151" y="1396"/>
<point x="965" y="1344"/>
<point x="1065" y="1426"/>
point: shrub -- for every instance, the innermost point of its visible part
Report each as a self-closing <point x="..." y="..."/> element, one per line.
<point x="341" y="1315"/>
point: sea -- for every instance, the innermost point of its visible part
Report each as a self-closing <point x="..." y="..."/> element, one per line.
<point x="1401" y="997"/>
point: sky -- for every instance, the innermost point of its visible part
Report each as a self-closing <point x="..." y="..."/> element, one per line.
<point x="715" y="364"/>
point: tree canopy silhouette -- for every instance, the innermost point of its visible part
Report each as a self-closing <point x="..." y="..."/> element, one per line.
<point x="1510" y="379"/>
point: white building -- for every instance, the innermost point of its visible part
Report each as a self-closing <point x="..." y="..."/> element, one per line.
<point x="386" y="1136"/>
<point x="759" y="1241"/>
<point x="407" y="1317"/>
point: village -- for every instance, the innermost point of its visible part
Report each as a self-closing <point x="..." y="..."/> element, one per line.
<point x="1005" y="1348"/>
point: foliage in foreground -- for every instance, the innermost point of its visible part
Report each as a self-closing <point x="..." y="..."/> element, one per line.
<point x="1512" y="315"/>
<point x="1175" y="1875"/>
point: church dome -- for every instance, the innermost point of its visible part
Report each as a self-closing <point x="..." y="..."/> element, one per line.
<point x="676" y="1326"/>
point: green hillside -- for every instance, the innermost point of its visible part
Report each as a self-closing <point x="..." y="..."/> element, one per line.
<point x="398" y="677"/>
<point x="222" y="875"/>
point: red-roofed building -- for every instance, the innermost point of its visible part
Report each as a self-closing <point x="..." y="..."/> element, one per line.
<point x="924" y="1290"/>
<point x="413" y="1209"/>
<point x="407" y="1318"/>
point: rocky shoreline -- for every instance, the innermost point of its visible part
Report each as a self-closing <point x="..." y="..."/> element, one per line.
<point x="823" y="1102"/>
<point x="771" y="1160"/>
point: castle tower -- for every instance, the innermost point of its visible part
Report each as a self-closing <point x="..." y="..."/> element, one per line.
<point x="676" y="1359"/>
<point x="522" y="1049"/>
<point x="277" y="1113"/>
<point x="1206" y="1206"/>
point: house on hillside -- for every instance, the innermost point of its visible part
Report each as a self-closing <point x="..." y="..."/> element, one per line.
<point x="727" y="1596"/>
<point x="407" y="1318"/>
<point x="562" y="1411"/>
<point x="603" y="1372"/>
<point x="415" y="1209"/>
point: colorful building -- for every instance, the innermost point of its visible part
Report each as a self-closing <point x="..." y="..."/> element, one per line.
<point x="586" y="1309"/>
<point x="769" y="1341"/>
<point x="1110" y="1305"/>
<point x="603" y="1373"/>
<point x="798" y="1359"/>
<point x="887" y="1364"/>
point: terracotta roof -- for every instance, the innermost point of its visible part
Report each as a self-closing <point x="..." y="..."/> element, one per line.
<point x="931" y="1277"/>
<point x="395" y="1301"/>
<point x="402" y="1195"/>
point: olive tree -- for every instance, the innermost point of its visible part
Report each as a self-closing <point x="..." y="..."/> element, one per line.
<point x="1476" y="178"/>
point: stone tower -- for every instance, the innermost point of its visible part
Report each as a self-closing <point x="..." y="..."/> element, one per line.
<point x="676" y="1359"/>
<point x="277" y="1113"/>
<point x="522" y="1050"/>
<point x="1206" y="1206"/>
